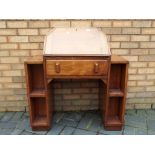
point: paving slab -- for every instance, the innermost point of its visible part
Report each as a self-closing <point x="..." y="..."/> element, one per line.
<point x="105" y="132"/>
<point x="67" y="131"/>
<point x="130" y="112"/>
<point x="7" y="125"/>
<point x="56" y="129"/>
<point x="6" y="131"/>
<point x="26" y="133"/>
<point x="1" y="114"/>
<point x="134" y="131"/>
<point x="95" y="125"/>
<point x="151" y="132"/>
<point x="25" y="115"/>
<point x="129" y="130"/>
<point x="57" y="117"/>
<point x="139" y="131"/>
<point x="65" y="122"/>
<point x="151" y="125"/>
<point x="150" y="114"/>
<point x="142" y="113"/>
<point x="17" y="116"/>
<point x="136" y="121"/>
<point x="25" y="125"/>
<point x="7" y="116"/>
<point x="87" y="121"/>
<point x="73" y="116"/>
<point x="16" y="132"/>
<point x="83" y="132"/>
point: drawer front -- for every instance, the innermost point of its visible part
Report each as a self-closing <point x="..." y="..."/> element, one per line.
<point x="76" y="67"/>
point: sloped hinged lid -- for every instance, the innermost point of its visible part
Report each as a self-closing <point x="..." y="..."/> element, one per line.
<point x="76" y="41"/>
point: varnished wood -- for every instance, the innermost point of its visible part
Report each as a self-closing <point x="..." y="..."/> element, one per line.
<point x="76" y="67"/>
<point x="115" y="59"/>
<point x="112" y="85"/>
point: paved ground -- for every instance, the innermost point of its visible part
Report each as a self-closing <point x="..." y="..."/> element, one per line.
<point x="138" y="122"/>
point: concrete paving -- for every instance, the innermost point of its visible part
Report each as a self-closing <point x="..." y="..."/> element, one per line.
<point x="137" y="122"/>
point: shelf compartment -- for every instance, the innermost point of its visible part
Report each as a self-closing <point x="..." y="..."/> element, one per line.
<point x="114" y="120"/>
<point x="114" y="111"/>
<point x="117" y="74"/>
<point x="40" y="121"/>
<point x="116" y="93"/>
<point x="35" y="77"/>
<point x="38" y="106"/>
<point x="38" y="93"/>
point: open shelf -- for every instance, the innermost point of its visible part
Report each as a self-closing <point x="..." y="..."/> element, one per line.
<point x="38" y="106"/>
<point x="35" y="78"/>
<point x="38" y="93"/>
<point x="117" y="80"/>
<point x="114" y="111"/>
<point x="114" y="120"/>
<point x="40" y="121"/>
<point x="116" y="93"/>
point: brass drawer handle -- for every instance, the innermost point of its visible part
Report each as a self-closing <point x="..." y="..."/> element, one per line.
<point x="57" y="68"/>
<point x="96" y="67"/>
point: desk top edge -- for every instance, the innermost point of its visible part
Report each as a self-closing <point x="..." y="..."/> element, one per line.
<point x="114" y="60"/>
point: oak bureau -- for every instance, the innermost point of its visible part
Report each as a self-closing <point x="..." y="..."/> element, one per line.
<point x="72" y="53"/>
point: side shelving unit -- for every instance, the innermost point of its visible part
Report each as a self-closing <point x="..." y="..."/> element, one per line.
<point x="117" y="93"/>
<point x="36" y="93"/>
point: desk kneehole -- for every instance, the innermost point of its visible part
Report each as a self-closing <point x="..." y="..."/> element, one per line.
<point x="77" y="67"/>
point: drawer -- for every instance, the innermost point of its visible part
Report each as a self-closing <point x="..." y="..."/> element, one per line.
<point x="76" y="67"/>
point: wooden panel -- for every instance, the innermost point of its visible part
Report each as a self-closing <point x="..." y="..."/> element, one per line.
<point x="76" y="67"/>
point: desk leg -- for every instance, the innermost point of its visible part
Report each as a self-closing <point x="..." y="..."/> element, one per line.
<point x="49" y="102"/>
<point x="103" y="100"/>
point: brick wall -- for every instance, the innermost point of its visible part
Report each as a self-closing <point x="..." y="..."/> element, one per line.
<point x="132" y="39"/>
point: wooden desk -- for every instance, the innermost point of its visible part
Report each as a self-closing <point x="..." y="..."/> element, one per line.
<point x="112" y="75"/>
